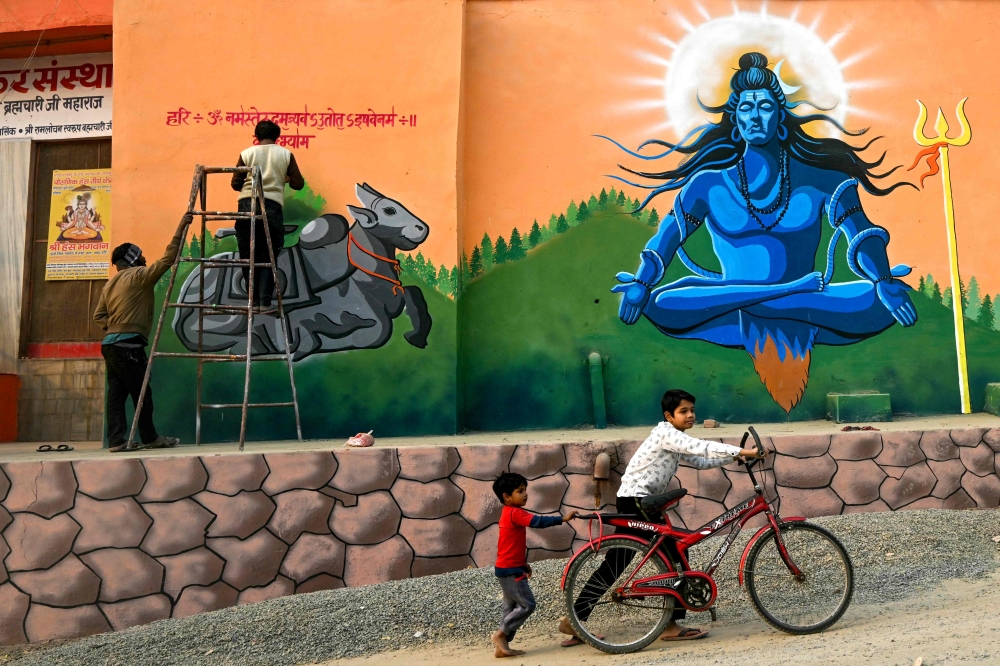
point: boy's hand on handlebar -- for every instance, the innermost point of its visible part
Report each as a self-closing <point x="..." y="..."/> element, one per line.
<point x="570" y="516"/>
<point x="751" y="454"/>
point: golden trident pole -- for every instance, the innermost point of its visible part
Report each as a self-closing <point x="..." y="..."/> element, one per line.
<point x="942" y="143"/>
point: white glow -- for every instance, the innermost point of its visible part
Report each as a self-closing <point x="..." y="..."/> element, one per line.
<point x="704" y="58"/>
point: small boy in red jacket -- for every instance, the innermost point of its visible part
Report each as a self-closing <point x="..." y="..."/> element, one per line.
<point x="512" y="568"/>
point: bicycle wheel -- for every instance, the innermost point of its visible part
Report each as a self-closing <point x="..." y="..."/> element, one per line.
<point x="803" y="604"/>
<point x="614" y="624"/>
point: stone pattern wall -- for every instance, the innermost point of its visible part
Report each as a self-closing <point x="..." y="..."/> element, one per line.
<point x="98" y="545"/>
<point x="60" y="400"/>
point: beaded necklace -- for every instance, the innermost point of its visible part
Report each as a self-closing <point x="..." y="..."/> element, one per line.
<point x="784" y="192"/>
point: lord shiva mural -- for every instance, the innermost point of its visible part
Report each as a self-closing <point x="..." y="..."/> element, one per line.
<point x="760" y="185"/>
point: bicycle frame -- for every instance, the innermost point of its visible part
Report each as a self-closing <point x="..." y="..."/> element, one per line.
<point x="686" y="539"/>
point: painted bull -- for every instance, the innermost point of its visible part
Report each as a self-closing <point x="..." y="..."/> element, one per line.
<point x="340" y="287"/>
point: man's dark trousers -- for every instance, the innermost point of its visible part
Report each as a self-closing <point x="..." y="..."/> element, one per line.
<point x="126" y="368"/>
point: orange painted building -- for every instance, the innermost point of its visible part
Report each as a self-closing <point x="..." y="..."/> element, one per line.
<point x="482" y="118"/>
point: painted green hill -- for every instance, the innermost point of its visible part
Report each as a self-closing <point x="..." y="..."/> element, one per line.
<point x="527" y="327"/>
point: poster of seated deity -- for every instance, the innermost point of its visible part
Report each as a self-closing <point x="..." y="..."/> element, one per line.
<point x="79" y="227"/>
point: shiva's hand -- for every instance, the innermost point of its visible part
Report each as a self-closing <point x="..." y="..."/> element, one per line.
<point x="893" y="295"/>
<point x="634" y="297"/>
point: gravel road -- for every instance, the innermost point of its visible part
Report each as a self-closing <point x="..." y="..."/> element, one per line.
<point x="897" y="557"/>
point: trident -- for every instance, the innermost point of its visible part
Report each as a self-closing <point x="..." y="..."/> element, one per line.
<point x="941" y="143"/>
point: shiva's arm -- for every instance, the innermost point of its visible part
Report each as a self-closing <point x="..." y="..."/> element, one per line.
<point x="867" y="255"/>
<point x="653" y="262"/>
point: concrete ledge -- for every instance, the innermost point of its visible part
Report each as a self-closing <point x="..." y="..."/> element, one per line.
<point x="858" y="407"/>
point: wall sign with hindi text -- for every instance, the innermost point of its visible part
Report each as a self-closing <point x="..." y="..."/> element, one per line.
<point x="79" y="225"/>
<point x="59" y="97"/>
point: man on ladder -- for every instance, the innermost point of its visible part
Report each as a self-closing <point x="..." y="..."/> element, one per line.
<point x="125" y="312"/>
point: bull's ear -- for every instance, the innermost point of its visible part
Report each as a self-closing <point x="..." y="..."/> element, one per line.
<point x="366" y="194"/>
<point x="366" y="218"/>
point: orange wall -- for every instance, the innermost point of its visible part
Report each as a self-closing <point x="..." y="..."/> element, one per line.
<point x="28" y="15"/>
<point x="541" y="79"/>
<point x="351" y="55"/>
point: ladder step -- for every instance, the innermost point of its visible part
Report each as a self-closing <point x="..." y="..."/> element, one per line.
<point x="209" y="262"/>
<point x="221" y="308"/>
<point x="225" y="215"/>
<point x="239" y="405"/>
<point x="242" y="169"/>
<point x="212" y="358"/>
<point x="206" y="355"/>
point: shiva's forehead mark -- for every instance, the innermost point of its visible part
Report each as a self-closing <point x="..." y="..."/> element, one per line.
<point x="755" y="95"/>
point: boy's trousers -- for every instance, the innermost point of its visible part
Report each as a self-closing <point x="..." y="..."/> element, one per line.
<point x="518" y="603"/>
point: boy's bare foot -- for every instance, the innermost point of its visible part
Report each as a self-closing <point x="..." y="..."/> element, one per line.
<point x="565" y="627"/>
<point x="503" y="649"/>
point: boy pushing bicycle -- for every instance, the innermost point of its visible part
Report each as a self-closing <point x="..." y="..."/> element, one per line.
<point x="649" y="473"/>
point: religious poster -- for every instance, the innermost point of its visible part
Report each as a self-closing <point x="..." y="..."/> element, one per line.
<point x="79" y="225"/>
<point x="58" y="97"/>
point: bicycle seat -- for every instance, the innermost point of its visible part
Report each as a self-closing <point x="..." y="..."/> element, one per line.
<point x="656" y="503"/>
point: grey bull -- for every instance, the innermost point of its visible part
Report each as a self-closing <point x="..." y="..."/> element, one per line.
<point x="340" y="287"/>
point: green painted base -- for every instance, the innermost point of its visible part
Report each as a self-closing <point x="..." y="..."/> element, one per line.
<point x="859" y="407"/>
<point x="992" y="399"/>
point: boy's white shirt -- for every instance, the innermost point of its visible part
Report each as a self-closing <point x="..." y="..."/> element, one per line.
<point x="655" y="462"/>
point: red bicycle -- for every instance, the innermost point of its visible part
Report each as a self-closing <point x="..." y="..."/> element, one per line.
<point x="621" y="589"/>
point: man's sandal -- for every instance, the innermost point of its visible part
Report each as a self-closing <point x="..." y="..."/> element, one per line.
<point x="687" y="634"/>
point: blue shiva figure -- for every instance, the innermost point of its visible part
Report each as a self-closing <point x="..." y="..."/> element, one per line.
<point x="760" y="185"/>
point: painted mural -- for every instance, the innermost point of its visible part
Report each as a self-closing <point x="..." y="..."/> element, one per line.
<point x="762" y="185"/>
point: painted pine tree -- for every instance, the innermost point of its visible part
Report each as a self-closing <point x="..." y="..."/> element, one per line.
<point x="486" y="250"/>
<point x="535" y="235"/>
<point x="516" y="249"/>
<point x="500" y="251"/>
<point x="986" y="315"/>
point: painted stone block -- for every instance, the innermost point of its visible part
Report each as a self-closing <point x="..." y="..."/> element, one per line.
<point x="169" y="479"/>
<point x="481" y="506"/>
<point x="556" y="538"/>
<point x="365" y="470"/>
<point x="696" y="511"/>
<point x="427" y="463"/>
<point x="992" y="405"/>
<point x="251" y="562"/>
<point x="135" y="612"/>
<point x="580" y="493"/>
<point x="68" y="583"/>
<point x="877" y="505"/>
<point x="949" y="475"/>
<point x="45" y="623"/>
<point x="110" y="479"/>
<point x="230" y="474"/>
<point x="580" y="457"/>
<point x="195" y="567"/>
<point x="389" y="560"/>
<point x="535" y="460"/>
<point x="924" y="503"/>
<point x="484" y="546"/>
<point x="959" y="500"/>
<point x="545" y="494"/>
<point x="857" y="481"/>
<point x="318" y="583"/>
<point x="43" y="488"/>
<point x="484" y="462"/>
<point x="306" y="469"/>
<point x="314" y="554"/>
<point x="38" y="543"/>
<point x="855" y="445"/>
<point x="810" y="503"/>
<point x="300" y="511"/>
<point x="373" y="519"/>
<point x="116" y="523"/>
<point x="937" y="445"/>
<point x="450" y="535"/>
<point x="900" y="449"/>
<point x="238" y="515"/>
<point x="992" y="438"/>
<point x="281" y="587"/>
<point x="431" y="566"/>
<point x="125" y="573"/>
<point x="984" y="490"/>
<point x="434" y="499"/>
<point x="804" y="472"/>
<point x="197" y="599"/>
<point x="177" y="526"/>
<point x="969" y="437"/>
<point x="13" y="609"/>
<point x="978" y="459"/>
<point x="800" y="446"/>
<point x="917" y="481"/>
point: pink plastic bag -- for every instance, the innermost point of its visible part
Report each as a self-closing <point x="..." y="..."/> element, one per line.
<point x="361" y="439"/>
